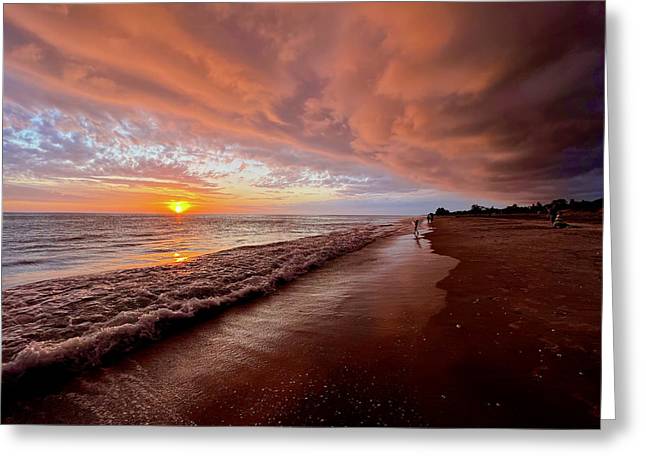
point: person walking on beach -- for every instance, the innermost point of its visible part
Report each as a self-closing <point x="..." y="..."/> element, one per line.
<point x="429" y="218"/>
<point x="415" y="223"/>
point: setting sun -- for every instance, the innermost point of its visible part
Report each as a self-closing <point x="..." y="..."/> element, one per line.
<point x="178" y="206"/>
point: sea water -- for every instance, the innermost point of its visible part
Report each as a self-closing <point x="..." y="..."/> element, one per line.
<point x="85" y="286"/>
<point x="48" y="246"/>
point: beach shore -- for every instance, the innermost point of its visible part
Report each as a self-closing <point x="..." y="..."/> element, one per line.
<point x="528" y="300"/>
<point x="484" y="322"/>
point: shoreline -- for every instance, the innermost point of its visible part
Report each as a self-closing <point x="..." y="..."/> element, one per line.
<point x="307" y="343"/>
<point x="453" y="330"/>
<point x="100" y="314"/>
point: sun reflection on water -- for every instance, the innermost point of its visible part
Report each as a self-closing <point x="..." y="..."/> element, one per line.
<point x="179" y="258"/>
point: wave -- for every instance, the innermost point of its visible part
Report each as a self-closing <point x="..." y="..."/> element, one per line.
<point x="25" y="262"/>
<point x="78" y="238"/>
<point x="76" y="322"/>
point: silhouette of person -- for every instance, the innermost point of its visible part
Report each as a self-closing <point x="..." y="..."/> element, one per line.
<point x="416" y="228"/>
<point x="553" y="213"/>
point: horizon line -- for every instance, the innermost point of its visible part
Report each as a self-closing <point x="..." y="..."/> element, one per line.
<point x="185" y="214"/>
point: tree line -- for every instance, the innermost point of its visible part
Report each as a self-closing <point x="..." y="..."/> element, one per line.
<point x="536" y="208"/>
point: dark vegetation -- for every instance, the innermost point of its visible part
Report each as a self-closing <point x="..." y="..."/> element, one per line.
<point x="537" y="208"/>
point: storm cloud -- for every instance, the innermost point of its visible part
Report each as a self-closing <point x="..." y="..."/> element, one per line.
<point x="494" y="101"/>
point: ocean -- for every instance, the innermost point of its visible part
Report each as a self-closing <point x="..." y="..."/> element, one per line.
<point x="41" y="246"/>
<point x="77" y="287"/>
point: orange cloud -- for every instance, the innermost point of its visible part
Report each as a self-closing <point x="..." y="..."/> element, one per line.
<point x="495" y="100"/>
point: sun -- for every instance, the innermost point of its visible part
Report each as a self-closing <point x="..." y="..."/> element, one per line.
<point x="178" y="207"/>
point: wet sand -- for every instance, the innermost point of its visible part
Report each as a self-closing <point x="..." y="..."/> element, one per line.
<point x="373" y="339"/>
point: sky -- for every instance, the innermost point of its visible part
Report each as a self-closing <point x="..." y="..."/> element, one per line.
<point x="313" y="108"/>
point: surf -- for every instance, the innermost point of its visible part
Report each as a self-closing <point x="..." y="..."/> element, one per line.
<point x="73" y="323"/>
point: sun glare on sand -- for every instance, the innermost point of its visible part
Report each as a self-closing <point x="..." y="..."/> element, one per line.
<point x="178" y="207"/>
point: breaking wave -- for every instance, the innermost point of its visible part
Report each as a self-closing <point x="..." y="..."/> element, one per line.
<point x="75" y="322"/>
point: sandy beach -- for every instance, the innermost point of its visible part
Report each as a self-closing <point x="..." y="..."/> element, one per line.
<point x="482" y="322"/>
<point x="528" y="298"/>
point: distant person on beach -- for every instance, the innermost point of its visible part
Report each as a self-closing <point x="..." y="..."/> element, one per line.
<point x="553" y="214"/>
<point x="558" y="222"/>
<point x="415" y="223"/>
<point x="429" y="218"/>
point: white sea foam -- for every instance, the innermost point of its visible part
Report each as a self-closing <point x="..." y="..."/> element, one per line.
<point x="75" y="322"/>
